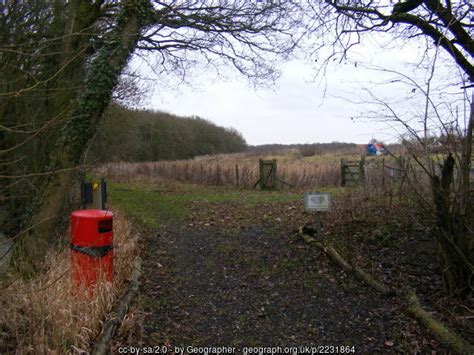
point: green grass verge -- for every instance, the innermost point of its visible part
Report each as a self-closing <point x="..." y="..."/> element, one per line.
<point x="155" y="204"/>
<point x="148" y="204"/>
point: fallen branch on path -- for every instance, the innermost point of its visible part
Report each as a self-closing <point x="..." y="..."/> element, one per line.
<point x="358" y="273"/>
<point x="441" y="331"/>
<point x="111" y="325"/>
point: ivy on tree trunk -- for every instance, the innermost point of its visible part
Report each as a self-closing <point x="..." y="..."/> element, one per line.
<point x="80" y="127"/>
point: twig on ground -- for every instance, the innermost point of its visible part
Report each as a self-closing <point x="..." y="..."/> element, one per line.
<point x="108" y="331"/>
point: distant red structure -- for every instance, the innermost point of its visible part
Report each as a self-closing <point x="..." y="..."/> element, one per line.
<point x="91" y="247"/>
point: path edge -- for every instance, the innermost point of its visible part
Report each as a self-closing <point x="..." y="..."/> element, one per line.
<point x="115" y="319"/>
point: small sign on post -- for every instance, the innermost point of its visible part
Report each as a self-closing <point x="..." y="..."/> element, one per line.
<point x="317" y="202"/>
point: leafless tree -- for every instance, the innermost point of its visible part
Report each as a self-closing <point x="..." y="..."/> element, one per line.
<point x="445" y="29"/>
<point x="341" y="24"/>
<point x="64" y="60"/>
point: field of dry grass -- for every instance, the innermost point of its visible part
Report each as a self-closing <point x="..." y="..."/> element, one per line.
<point x="242" y="170"/>
<point x="230" y="170"/>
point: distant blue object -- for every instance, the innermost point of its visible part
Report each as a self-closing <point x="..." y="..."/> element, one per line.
<point x="371" y="150"/>
<point x="376" y="148"/>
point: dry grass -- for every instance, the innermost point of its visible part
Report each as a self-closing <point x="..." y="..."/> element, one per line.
<point x="49" y="315"/>
<point x="386" y="181"/>
<point x="242" y="170"/>
<point x="232" y="170"/>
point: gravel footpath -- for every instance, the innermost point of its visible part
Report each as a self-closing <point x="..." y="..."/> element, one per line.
<point x="261" y="287"/>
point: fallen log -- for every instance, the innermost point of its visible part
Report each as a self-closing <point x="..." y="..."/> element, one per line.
<point x="441" y="331"/>
<point x="358" y="273"/>
<point x="111" y="325"/>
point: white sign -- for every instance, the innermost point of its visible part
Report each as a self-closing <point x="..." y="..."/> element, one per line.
<point x="317" y="201"/>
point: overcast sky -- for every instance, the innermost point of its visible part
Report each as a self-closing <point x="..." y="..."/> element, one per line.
<point x="297" y="109"/>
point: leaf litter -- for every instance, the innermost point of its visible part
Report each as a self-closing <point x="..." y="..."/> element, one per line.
<point x="233" y="275"/>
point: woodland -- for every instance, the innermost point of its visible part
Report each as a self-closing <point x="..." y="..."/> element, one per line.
<point x="137" y="135"/>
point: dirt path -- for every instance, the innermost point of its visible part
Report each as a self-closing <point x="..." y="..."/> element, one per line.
<point x="207" y="285"/>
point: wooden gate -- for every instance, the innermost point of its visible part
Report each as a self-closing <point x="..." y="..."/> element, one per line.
<point x="352" y="172"/>
<point x="268" y="176"/>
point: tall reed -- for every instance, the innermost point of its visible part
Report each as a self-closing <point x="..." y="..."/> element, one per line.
<point x="228" y="170"/>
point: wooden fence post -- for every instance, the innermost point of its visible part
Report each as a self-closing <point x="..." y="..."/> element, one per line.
<point x="383" y="174"/>
<point x="362" y="170"/>
<point x="274" y="174"/>
<point x="343" y="173"/>
<point x="237" y="182"/>
<point x="218" y="175"/>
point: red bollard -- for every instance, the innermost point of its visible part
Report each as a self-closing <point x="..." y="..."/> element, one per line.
<point x="91" y="247"/>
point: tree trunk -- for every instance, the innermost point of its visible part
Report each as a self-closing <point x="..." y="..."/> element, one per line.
<point x="454" y="218"/>
<point x="79" y="129"/>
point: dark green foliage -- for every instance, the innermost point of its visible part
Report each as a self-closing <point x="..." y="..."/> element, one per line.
<point x="133" y="135"/>
<point x="42" y="62"/>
